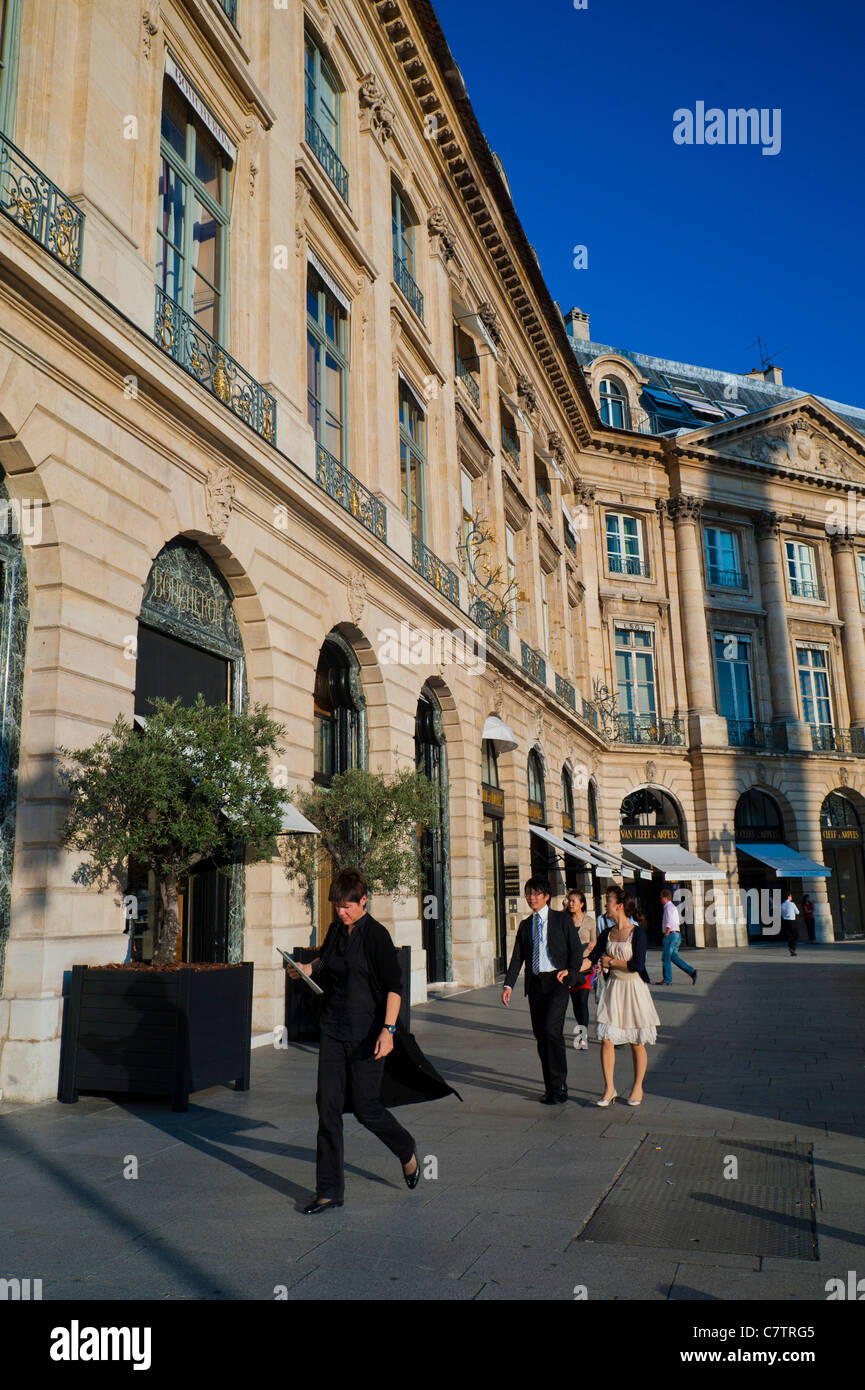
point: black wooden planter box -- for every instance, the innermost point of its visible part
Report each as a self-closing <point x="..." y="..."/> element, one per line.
<point x="156" y="1032"/>
<point x="302" y="1007"/>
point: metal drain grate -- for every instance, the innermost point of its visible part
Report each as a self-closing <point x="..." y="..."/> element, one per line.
<point x="673" y="1194"/>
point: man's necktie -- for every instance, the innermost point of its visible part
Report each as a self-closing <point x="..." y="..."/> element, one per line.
<point x="536" y="954"/>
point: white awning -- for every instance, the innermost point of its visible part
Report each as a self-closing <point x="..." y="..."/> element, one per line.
<point x="419" y="400"/>
<point x="613" y="862"/>
<point x="786" y="862"/>
<point x="498" y="732"/>
<point x="512" y="405"/>
<point x="587" y="854"/>
<point x="580" y="854"/>
<point x="293" y="822"/>
<point x="338" y="294"/>
<point x="674" y="861"/>
<point x="570" y="521"/>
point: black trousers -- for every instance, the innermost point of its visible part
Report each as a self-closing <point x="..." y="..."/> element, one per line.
<point x="580" y="1001"/>
<point x="548" y="1004"/>
<point x="342" y="1064"/>
<point x="791" y="934"/>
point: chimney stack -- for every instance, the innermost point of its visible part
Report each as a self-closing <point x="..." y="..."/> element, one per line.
<point x="577" y="324"/>
<point x="772" y="375"/>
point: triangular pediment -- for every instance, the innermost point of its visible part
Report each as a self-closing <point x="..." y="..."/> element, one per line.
<point x="800" y="436"/>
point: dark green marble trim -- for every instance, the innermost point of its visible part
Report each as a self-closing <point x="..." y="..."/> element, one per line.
<point x="14" y="617"/>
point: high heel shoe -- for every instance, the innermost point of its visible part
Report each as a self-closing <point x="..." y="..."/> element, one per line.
<point x="602" y="1104"/>
<point x="412" y="1179"/>
<point x="636" y="1102"/>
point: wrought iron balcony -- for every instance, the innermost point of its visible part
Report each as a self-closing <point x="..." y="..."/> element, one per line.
<point x="179" y="335"/>
<point x="826" y="739"/>
<point x="406" y="283"/>
<point x="511" y="446"/>
<point x="468" y="381"/>
<point x="726" y="579"/>
<point x="628" y="564"/>
<point x="38" y="207"/>
<point x="545" y="500"/>
<point x="648" y="728"/>
<point x="326" y="156"/>
<point x="566" y="692"/>
<point x="749" y="733"/>
<point x="590" y="714"/>
<point x="807" y="588"/>
<point x="230" y="7"/>
<point x="344" y="488"/>
<point x="495" y="627"/>
<point x="434" y="570"/>
<point x="533" y="662"/>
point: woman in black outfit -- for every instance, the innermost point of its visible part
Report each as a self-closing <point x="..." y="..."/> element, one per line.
<point x="358" y="969"/>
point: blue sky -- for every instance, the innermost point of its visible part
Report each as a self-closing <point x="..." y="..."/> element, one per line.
<point x="693" y="251"/>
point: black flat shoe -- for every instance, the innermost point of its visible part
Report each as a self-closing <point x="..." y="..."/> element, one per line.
<point x="315" y="1207"/>
<point x="694" y="978"/>
<point x="412" y="1179"/>
<point x="561" y="1095"/>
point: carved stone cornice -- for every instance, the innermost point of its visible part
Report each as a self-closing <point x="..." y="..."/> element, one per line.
<point x="767" y="525"/>
<point x="441" y="232"/>
<point x="376" y="113"/>
<point x="684" y="508"/>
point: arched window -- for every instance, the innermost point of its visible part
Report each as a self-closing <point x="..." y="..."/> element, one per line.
<point x="649" y="806"/>
<point x="336" y="715"/>
<point x="537" y="795"/>
<point x="837" y="813"/>
<point x="567" y="801"/>
<point x="614" y="403"/>
<point x="757" y="811"/>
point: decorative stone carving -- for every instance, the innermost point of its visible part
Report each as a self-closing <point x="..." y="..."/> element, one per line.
<point x="150" y="21"/>
<point x="584" y="495"/>
<point x="539" y="724"/>
<point x="498" y="696"/>
<point x="219" y="497"/>
<point x="490" y="320"/>
<point x="651" y="771"/>
<point x="527" y="393"/>
<point x="557" y="447"/>
<point x="441" y="233"/>
<point x="842" y="776"/>
<point x="357" y="596"/>
<point x="840" y="540"/>
<point x="767" y="524"/>
<point x="376" y="112"/>
<point x="684" y="508"/>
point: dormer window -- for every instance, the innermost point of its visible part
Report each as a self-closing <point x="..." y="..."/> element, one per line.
<point x="614" y="404"/>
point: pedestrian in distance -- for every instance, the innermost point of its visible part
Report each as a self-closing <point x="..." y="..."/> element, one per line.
<point x="626" y="1013"/>
<point x="358" y="969"/>
<point x="808" y="914"/>
<point x="548" y="946"/>
<point x="790" y="927"/>
<point x="586" y="931"/>
<point x="672" y="941"/>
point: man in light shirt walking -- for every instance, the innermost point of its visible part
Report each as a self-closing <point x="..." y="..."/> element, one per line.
<point x="789" y="913"/>
<point x="672" y="941"/>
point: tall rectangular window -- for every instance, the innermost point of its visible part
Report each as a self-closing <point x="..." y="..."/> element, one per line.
<point x="192" y="229"/>
<point x="624" y="545"/>
<point x="802" y="570"/>
<point x="10" y="36"/>
<point x="511" y="556"/>
<point x="412" y="457"/>
<point x="814" y="688"/>
<point x="722" y="558"/>
<point x="326" y="366"/>
<point x="635" y="674"/>
<point x="733" y="671"/>
<point x="860" y="562"/>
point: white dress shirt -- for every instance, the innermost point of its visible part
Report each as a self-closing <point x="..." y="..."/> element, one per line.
<point x="544" y="962"/>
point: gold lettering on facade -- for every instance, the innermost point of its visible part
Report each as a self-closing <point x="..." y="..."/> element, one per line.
<point x="184" y="597"/>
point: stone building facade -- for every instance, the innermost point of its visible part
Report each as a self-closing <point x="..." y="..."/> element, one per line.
<point x="273" y="343"/>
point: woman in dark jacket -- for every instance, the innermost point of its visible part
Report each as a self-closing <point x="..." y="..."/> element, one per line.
<point x="626" y="1013"/>
<point x="358" y="969"/>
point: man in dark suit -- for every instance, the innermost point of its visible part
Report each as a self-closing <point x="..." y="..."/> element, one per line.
<point x="548" y="945"/>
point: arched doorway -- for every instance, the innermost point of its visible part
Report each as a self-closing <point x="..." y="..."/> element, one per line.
<point x="339" y="720"/>
<point x="494" y="846"/>
<point x="13" y="637"/>
<point x="841" y="832"/>
<point x="434" y="904"/>
<point x="649" y="815"/>
<point x="189" y="643"/>
<point x="758" y="820"/>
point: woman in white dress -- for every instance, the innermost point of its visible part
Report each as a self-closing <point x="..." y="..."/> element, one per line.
<point x="626" y="1013"/>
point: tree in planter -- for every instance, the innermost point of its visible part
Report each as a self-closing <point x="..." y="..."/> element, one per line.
<point x="192" y="784"/>
<point x="367" y="822"/>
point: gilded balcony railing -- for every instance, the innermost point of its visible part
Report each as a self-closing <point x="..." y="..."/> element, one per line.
<point x="494" y="626"/>
<point x="434" y="570"/>
<point x="179" y="335"/>
<point x="326" y="156"/>
<point x="566" y="692"/>
<point x="350" y="493"/>
<point x="533" y="662"/>
<point x="38" y="207"/>
<point x="590" y="714"/>
<point x="408" y="285"/>
<point x="648" y="728"/>
<point x="750" y="733"/>
<point x="468" y="381"/>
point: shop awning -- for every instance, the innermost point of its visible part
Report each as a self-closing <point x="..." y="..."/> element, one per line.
<point x="614" y="863"/>
<point x="498" y="732"/>
<point x="585" y="853"/>
<point x="675" y="862"/>
<point x="572" y="848"/>
<point x="293" y="822"/>
<point x="786" y="862"/>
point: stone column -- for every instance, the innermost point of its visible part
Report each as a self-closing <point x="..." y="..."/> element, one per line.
<point x="704" y="724"/>
<point x="853" y="635"/>
<point x="781" y="674"/>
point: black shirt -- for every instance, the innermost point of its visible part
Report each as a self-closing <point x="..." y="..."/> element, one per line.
<point x="350" y="1006"/>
